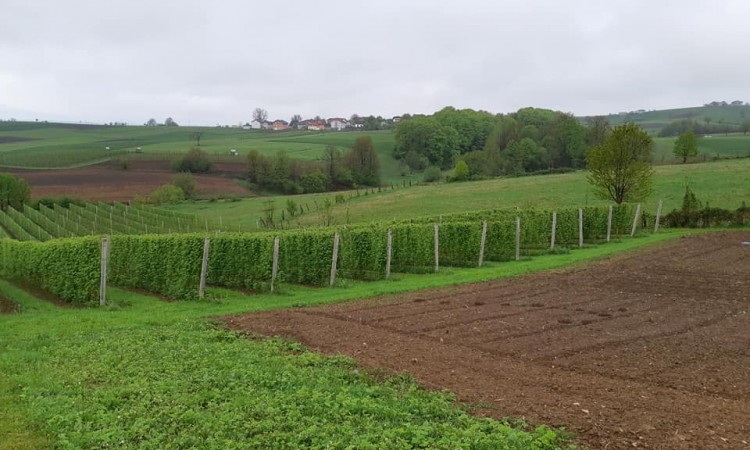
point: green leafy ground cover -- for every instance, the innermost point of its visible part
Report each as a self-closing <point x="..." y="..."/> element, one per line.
<point x="143" y="373"/>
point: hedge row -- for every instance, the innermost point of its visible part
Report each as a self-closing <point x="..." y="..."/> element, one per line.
<point x="170" y="264"/>
<point x="68" y="268"/>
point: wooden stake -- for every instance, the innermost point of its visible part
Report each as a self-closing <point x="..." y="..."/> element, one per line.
<point x="609" y="223"/>
<point x="635" y="219"/>
<point x="335" y="258"/>
<point x="388" y="252"/>
<point x="518" y="238"/>
<point x="580" y="227"/>
<point x="275" y="267"/>
<point x="554" y="231"/>
<point x="482" y="243"/>
<point x="204" y="268"/>
<point x="658" y="215"/>
<point x="437" y="248"/>
<point x="103" y="276"/>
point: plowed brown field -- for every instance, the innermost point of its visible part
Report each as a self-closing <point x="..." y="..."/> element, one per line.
<point x="646" y="350"/>
<point x="105" y="183"/>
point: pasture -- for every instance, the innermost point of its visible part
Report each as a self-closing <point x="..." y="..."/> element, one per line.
<point x="722" y="184"/>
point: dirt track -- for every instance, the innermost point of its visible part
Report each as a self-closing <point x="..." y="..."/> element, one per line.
<point x="648" y="350"/>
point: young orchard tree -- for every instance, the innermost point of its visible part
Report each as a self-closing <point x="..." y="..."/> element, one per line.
<point x="686" y="146"/>
<point x="620" y="168"/>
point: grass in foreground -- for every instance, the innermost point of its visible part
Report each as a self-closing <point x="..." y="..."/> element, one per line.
<point x="143" y="374"/>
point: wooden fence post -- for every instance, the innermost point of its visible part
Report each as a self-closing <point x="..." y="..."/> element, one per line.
<point x="335" y="257"/>
<point x="275" y="266"/>
<point x="437" y="248"/>
<point x="635" y="219"/>
<point x="204" y="268"/>
<point x="103" y="277"/>
<point x="580" y="227"/>
<point x="658" y="215"/>
<point x="609" y="223"/>
<point x="518" y="238"/>
<point x="388" y="252"/>
<point x="554" y="231"/>
<point x="482" y="242"/>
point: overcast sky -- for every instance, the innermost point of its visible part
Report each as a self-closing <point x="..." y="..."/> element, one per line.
<point x="213" y="62"/>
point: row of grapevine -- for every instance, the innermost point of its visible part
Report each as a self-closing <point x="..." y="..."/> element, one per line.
<point x="170" y="265"/>
<point x="47" y="223"/>
<point x="68" y="268"/>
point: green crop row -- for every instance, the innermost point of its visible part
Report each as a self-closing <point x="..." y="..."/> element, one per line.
<point x="171" y="264"/>
<point x="68" y="268"/>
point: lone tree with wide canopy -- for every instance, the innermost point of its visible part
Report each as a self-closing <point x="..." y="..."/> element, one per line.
<point x="620" y="167"/>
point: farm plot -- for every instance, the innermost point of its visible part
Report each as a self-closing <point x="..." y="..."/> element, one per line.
<point x="647" y="350"/>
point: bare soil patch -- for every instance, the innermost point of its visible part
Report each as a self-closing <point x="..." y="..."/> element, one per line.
<point x="646" y="350"/>
<point x="7" y="306"/>
<point x="105" y="183"/>
<point x="12" y="139"/>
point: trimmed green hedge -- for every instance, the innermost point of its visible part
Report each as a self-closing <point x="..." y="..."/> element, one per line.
<point x="67" y="268"/>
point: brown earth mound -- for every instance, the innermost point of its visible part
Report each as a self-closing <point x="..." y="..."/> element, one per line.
<point x="7" y="306"/>
<point x="647" y="350"/>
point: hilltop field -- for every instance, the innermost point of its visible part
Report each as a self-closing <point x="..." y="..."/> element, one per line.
<point x="72" y="160"/>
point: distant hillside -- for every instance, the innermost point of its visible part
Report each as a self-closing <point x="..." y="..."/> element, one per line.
<point x="717" y="113"/>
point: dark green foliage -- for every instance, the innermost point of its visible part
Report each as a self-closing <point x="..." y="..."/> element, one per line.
<point x="166" y="194"/>
<point x="432" y="174"/>
<point x="362" y="160"/>
<point x="195" y="161"/>
<point x="427" y="137"/>
<point x="67" y="268"/>
<point x="686" y="146"/>
<point x="693" y="215"/>
<point x="14" y="191"/>
<point x="314" y="182"/>
<point x="185" y="182"/>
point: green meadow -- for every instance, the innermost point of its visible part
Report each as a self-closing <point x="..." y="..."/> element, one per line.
<point x="723" y="184"/>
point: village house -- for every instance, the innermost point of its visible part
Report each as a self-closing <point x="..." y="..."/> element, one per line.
<point x="316" y="125"/>
<point x="337" y="123"/>
<point x="279" y="125"/>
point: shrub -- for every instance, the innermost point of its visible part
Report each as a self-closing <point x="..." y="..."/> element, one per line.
<point x="195" y="161"/>
<point x="314" y="182"/>
<point x="185" y="182"/>
<point x="432" y="174"/>
<point x="167" y="193"/>
<point x="461" y="171"/>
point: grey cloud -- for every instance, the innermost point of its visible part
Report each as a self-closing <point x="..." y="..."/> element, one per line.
<point x="213" y="62"/>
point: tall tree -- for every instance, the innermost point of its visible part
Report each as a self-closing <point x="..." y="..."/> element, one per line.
<point x="332" y="161"/>
<point x="597" y="130"/>
<point x="197" y="135"/>
<point x="620" y="168"/>
<point x="363" y="162"/>
<point x="151" y="122"/>
<point x="14" y="191"/>
<point x="296" y="119"/>
<point x="745" y="126"/>
<point x="170" y="122"/>
<point x="260" y="114"/>
<point x="685" y="146"/>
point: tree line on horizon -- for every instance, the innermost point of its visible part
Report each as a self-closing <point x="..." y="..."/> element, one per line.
<point x="530" y="140"/>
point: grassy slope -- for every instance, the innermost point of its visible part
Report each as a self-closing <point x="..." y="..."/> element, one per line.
<point x="721" y="183"/>
<point x="53" y="146"/>
<point x="149" y="374"/>
<point x="654" y="120"/>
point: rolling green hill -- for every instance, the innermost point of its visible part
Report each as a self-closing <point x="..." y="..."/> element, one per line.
<point x="653" y="121"/>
